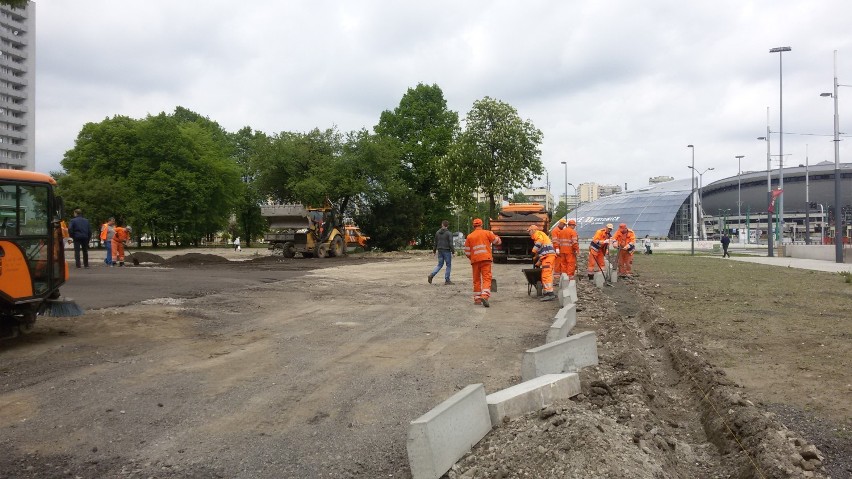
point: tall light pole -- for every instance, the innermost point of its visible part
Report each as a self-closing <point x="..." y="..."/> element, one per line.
<point x="770" y="253"/>
<point x="566" y="187"/>
<point x="577" y="206"/>
<point x="700" y="207"/>
<point x="807" y="199"/>
<point x="780" y="51"/>
<point x="838" y="217"/>
<point x="692" y="205"/>
<point x="739" y="185"/>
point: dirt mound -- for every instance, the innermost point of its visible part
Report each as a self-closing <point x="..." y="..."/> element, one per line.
<point x="196" y="258"/>
<point x="145" y="257"/>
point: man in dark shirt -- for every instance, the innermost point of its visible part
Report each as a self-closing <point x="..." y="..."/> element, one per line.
<point x="726" y="240"/>
<point x="80" y="233"/>
<point x="445" y="249"/>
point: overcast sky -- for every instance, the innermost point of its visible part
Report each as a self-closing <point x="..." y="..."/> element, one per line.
<point x="619" y="88"/>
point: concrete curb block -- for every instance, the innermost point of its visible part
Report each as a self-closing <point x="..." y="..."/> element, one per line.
<point x="572" y="290"/>
<point x="599" y="279"/>
<point x="569" y="354"/>
<point x="439" y="438"/>
<point x="566" y="319"/>
<point x="564" y="297"/>
<point x="531" y="396"/>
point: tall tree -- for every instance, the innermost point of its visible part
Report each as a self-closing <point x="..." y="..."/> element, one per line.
<point x="497" y="153"/>
<point x="249" y="222"/>
<point x="425" y="129"/>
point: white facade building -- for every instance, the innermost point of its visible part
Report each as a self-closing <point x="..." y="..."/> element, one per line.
<point x="17" y="87"/>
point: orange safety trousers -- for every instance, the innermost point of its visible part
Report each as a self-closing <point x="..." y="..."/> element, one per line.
<point x="117" y="251"/>
<point x="596" y="261"/>
<point x="481" y="280"/>
<point x="566" y="263"/>
<point x="625" y="262"/>
<point x="547" y="272"/>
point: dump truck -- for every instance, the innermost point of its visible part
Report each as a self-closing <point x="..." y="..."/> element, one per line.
<point x="32" y="255"/>
<point x="511" y="226"/>
<point x="311" y="232"/>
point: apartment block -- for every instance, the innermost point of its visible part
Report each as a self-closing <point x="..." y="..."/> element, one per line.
<point x="17" y="87"/>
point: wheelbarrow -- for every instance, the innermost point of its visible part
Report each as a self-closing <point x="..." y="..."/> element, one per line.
<point x="533" y="276"/>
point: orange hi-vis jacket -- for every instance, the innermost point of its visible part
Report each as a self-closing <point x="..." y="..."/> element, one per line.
<point x="625" y="239"/>
<point x="477" y="246"/>
<point x="543" y="246"/>
<point x="600" y="241"/>
<point x="565" y="240"/>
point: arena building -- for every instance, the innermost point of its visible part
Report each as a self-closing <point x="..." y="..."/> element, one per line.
<point x="662" y="210"/>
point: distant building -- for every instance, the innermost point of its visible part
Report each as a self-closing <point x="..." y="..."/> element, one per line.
<point x="659" y="179"/>
<point x="573" y="202"/>
<point x="482" y="197"/>
<point x="589" y="192"/>
<point x="539" y="195"/>
<point x="609" y="190"/>
<point x="17" y="87"/>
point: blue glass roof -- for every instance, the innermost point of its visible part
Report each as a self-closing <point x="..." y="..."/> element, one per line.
<point x="647" y="211"/>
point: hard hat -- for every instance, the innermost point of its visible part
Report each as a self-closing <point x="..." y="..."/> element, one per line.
<point x="622" y="225"/>
<point x="562" y="220"/>
<point x="609" y="225"/>
<point x="572" y="222"/>
<point x="532" y="228"/>
<point x="477" y="222"/>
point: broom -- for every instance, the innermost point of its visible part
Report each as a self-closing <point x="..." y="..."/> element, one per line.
<point x="62" y="307"/>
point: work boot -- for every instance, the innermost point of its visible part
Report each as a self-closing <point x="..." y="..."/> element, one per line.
<point x="448" y="282"/>
<point x="548" y="296"/>
<point x="430" y="278"/>
<point x="485" y="303"/>
<point x="591" y="277"/>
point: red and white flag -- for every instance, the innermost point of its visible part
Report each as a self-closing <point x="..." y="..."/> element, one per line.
<point x="775" y="194"/>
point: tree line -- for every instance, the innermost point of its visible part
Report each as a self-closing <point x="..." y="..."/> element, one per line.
<point x="181" y="178"/>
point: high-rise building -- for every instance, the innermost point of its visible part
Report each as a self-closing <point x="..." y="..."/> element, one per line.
<point x="17" y="87"/>
<point x="540" y="195"/>
<point x="589" y="192"/>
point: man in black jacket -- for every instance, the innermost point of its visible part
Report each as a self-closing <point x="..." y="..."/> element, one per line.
<point x="445" y="250"/>
<point x="726" y="240"/>
<point x="80" y="231"/>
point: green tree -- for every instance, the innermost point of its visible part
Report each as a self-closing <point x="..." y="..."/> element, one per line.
<point x="519" y="198"/>
<point x="496" y="153"/>
<point x="425" y="129"/>
<point x="249" y="223"/>
<point x="14" y="3"/>
<point x="560" y="210"/>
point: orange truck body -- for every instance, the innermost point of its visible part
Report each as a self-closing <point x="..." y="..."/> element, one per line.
<point x="511" y="226"/>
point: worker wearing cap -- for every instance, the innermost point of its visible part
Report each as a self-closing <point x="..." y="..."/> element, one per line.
<point x="567" y="246"/>
<point x="597" y="250"/>
<point x="477" y="248"/>
<point x="545" y="255"/>
<point x="120" y="236"/>
<point x="624" y="240"/>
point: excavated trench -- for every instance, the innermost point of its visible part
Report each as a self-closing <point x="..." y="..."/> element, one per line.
<point x="652" y="408"/>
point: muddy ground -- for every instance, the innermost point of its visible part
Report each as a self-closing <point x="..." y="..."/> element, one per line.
<point x="198" y="367"/>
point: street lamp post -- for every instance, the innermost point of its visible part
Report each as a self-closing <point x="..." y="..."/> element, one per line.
<point x="739" y="185"/>
<point x="692" y="205"/>
<point x="770" y="252"/>
<point x="566" y="187"/>
<point x="838" y="217"/>
<point x="700" y="206"/>
<point x="807" y="199"/>
<point x="577" y="206"/>
<point x="780" y="51"/>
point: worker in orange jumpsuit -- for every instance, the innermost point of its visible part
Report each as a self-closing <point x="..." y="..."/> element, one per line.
<point x="121" y="235"/>
<point x="477" y="248"/>
<point x="545" y="255"/>
<point x="624" y="240"/>
<point x="597" y="250"/>
<point x="567" y="246"/>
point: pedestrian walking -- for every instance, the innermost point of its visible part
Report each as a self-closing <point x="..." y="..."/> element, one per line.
<point x="477" y="247"/>
<point x="444" y="249"/>
<point x="646" y="242"/>
<point x="726" y="240"/>
<point x="237" y="244"/>
<point x="624" y="240"/>
<point x="545" y="255"/>
<point x="107" y="232"/>
<point x="81" y="233"/>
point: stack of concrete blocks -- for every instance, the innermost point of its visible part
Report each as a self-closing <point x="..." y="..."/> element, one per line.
<point x="442" y="436"/>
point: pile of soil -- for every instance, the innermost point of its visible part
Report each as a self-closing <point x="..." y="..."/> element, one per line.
<point x="145" y="257"/>
<point x="196" y="258"/>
